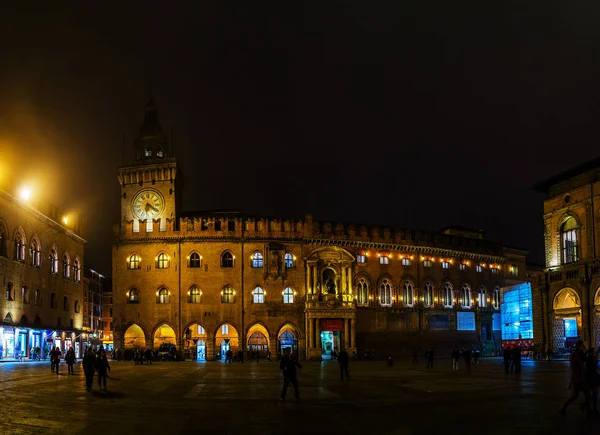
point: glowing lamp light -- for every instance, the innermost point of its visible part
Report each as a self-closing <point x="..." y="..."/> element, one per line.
<point x="25" y="193"/>
<point x="66" y="220"/>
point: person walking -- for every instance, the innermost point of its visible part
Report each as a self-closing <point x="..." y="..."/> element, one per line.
<point x="343" y="360"/>
<point x="467" y="357"/>
<point x="455" y="356"/>
<point x="288" y="365"/>
<point x="52" y="358"/>
<point x="70" y="360"/>
<point x="516" y="357"/>
<point x="577" y="365"/>
<point x="430" y="358"/>
<point x="57" y="355"/>
<point x="103" y="367"/>
<point x="507" y="355"/>
<point x="89" y="367"/>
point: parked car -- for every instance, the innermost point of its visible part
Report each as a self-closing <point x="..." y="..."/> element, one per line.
<point x="167" y="352"/>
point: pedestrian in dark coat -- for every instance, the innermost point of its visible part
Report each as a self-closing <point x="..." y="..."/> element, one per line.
<point x="70" y="360"/>
<point x="288" y="366"/>
<point x="467" y="357"/>
<point x="430" y="358"/>
<point x="343" y="360"/>
<point x="507" y="359"/>
<point x="103" y="367"/>
<point x="89" y="367"/>
<point x="516" y="356"/>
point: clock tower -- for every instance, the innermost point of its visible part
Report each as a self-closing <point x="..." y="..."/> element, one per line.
<point x="148" y="185"/>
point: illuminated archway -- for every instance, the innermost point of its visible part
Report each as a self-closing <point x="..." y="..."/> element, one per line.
<point x="226" y="338"/>
<point x="287" y="338"/>
<point x="134" y="337"/>
<point x="566" y="299"/>
<point x="195" y="342"/>
<point x="567" y="318"/>
<point x="258" y="340"/>
<point x="164" y="334"/>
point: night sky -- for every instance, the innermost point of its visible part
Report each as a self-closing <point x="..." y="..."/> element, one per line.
<point x="407" y="114"/>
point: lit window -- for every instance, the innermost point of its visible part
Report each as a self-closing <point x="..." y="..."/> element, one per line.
<point x="163" y="261"/>
<point x="19" y="248"/>
<point x="288" y="296"/>
<point x="384" y="259"/>
<point x="225" y="329"/>
<point x="478" y="268"/>
<point x="65" y="304"/>
<point x="568" y="240"/>
<point x="257" y="259"/>
<point x="25" y="295"/>
<point x="163" y="296"/>
<point x="427" y="263"/>
<point x="465" y="296"/>
<point x="288" y="259"/>
<point x="66" y="267"/>
<point x="133" y="296"/>
<point x="258" y="296"/>
<point x="35" y="253"/>
<point x="362" y="290"/>
<point x="227" y="295"/>
<point x="147" y="152"/>
<point x="227" y="259"/>
<point x="361" y="259"/>
<point x="134" y="262"/>
<point x="385" y="293"/>
<point x="136" y="226"/>
<point x="497" y="298"/>
<point x="462" y="266"/>
<point x="2" y="240"/>
<point x="195" y="260"/>
<point x="514" y="270"/>
<point x="10" y="292"/>
<point x="406" y="262"/>
<point x="53" y="262"/>
<point x="76" y="270"/>
<point x="201" y="330"/>
<point x="448" y="295"/>
<point x="408" y="296"/>
<point x="428" y="294"/>
<point x="195" y="295"/>
<point x="37" y="298"/>
<point x="445" y="265"/>
<point x="160" y="153"/>
<point x="482" y="297"/>
<point x="494" y="270"/>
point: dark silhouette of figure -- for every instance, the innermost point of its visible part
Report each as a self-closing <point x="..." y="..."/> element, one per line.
<point x="516" y="357"/>
<point x="507" y="354"/>
<point x="455" y="356"/>
<point x="429" y="355"/>
<point x="577" y="363"/>
<point x="70" y="360"/>
<point x="89" y="367"/>
<point x="103" y="367"/>
<point x="591" y="377"/>
<point x="467" y="357"/>
<point x="343" y="361"/>
<point x="288" y="365"/>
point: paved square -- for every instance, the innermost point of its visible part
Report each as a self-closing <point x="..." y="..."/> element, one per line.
<point x="216" y="398"/>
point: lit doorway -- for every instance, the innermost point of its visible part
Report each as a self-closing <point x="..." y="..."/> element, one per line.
<point x="330" y="344"/>
<point x="201" y="350"/>
<point x="224" y="348"/>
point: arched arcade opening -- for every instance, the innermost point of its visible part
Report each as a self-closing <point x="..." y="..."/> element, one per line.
<point x="567" y="319"/>
<point x="134" y="338"/>
<point x="164" y="334"/>
<point x="257" y="341"/>
<point x="287" y="338"/>
<point x="226" y="338"/>
<point x="195" y="347"/>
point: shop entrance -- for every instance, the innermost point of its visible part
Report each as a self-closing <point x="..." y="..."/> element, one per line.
<point x="201" y="350"/>
<point x="330" y="344"/>
<point x="224" y="348"/>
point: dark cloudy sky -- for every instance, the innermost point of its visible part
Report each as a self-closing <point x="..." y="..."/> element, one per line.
<point x="409" y="114"/>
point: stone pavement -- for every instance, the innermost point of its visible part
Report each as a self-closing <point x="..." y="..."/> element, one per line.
<point x="215" y="398"/>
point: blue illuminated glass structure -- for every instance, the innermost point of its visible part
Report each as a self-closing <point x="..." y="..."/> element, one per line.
<point x="517" y="313"/>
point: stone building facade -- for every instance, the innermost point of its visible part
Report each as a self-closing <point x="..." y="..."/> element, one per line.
<point x="41" y="263"/>
<point x="566" y="296"/>
<point x="212" y="282"/>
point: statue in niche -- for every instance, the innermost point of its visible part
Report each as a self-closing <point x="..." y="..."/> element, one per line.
<point x="330" y="286"/>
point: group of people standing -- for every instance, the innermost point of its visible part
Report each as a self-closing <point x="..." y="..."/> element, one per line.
<point x="92" y="362"/>
<point x="512" y="359"/>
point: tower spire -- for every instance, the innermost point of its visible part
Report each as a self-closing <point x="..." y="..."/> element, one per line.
<point x="151" y="143"/>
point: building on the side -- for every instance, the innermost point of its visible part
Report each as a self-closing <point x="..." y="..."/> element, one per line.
<point x="107" y="315"/>
<point x="566" y="296"/>
<point x="41" y="261"/>
<point x="93" y="286"/>
<point x="212" y="282"/>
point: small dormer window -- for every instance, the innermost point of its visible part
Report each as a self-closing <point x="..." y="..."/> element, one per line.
<point x="147" y="152"/>
<point x="160" y="153"/>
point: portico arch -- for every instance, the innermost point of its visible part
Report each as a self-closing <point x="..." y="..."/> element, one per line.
<point x="195" y="342"/>
<point x="567" y="318"/>
<point x="164" y="334"/>
<point x="134" y="337"/>
<point x="287" y="337"/>
<point x="258" y="340"/>
<point x="226" y="338"/>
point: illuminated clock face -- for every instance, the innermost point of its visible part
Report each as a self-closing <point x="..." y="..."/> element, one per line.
<point x="148" y="204"/>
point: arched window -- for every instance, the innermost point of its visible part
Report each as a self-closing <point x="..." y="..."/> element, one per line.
<point x="227" y="259"/>
<point x="195" y="260"/>
<point x="35" y="253"/>
<point x="569" y="241"/>
<point x="227" y="295"/>
<point x="37" y="298"/>
<point x="162" y="261"/>
<point x="481" y="297"/>
<point x="194" y="295"/>
<point x="53" y="261"/>
<point x="66" y="266"/>
<point x="65" y="304"/>
<point x="362" y="290"/>
<point x="77" y="307"/>
<point x="465" y="296"/>
<point x="385" y="293"/>
<point x="288" y="296"/>
<point x="19" y="247"/>
<point x="257" y="259"/>
<point x="76" y="270"/>
<point x="3" y="233"/>
<point x="428" y="294"/>
<point x="448" y="295"/>
<point x="133" y="262"/>
<point x="162" y="296"/>
<point x="258" y="296"/>
<point x="497" y="298"/>
<point x="133" y="296"/>
<point x="53" y="301"/>
<point x="25" y="294"/>
<point x="10" y="292"/>
<point x="408" y="296"/>
<point x="288" y="260"/>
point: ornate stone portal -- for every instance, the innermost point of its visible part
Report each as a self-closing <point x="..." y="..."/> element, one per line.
<point x="330" y="304"/>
